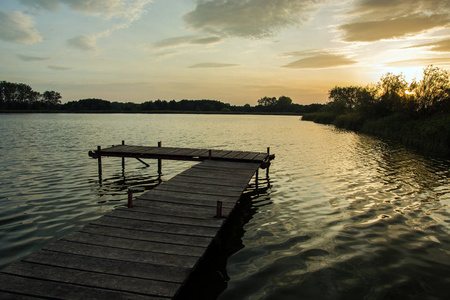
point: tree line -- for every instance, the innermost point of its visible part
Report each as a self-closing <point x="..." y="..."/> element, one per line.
<point x="20" y="96"/>
<point x="392" y="94"/>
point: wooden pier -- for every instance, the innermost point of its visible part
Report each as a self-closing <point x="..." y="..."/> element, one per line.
<point x="149" y="249"/>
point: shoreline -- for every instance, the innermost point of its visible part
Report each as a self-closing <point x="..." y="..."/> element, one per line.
<point x="430" y="136"/>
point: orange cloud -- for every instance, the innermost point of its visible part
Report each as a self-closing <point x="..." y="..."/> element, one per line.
<point x="321" y="60"/>
<point x="369" y="31"/>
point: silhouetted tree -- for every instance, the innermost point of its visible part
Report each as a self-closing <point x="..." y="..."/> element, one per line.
<point x="51" y="98"/>
<point x="432" y="93"/>
<point x="267" y="101"/>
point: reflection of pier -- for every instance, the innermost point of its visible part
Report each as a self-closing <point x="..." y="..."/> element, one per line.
<point x="150" y="248"/>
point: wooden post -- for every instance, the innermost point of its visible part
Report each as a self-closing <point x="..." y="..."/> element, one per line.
<point x="99" y="159"/>
<point x="267" y="170"/>
<point x="130" y="198"/>
<point x="123" y="159"/>
<point x="159" y="161"/>
<point x="256" y="180"/>
<point x="219" y="209"/>
<point x="209" y="154"/>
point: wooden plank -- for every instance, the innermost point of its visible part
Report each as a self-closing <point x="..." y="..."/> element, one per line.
<point x="201" y="189"/>
<point x="175" y="239"/>
<point x="202" y="178"/>
<point x="155" y="258"/>
<point x="156" y="226"/>
<point x="190" y="201"/>
<point x="110" y="266"/>
<point x="207" y="221"/>
<point x="132" y="244"/>
<point x="11" y="296"/>
<point x="186" y="198"/>
<point x="173" y="210"/>
<point x="95" y="280"/>
<point x="219" y="153"/>
<point x="49" y="289"/>
<point x="232" y="155"/>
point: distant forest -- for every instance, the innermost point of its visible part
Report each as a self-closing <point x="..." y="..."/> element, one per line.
<point x="21" y="97"/>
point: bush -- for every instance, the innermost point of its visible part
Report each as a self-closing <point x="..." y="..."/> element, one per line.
<point x="351" y="121"/>
<point x="323" y="117"/>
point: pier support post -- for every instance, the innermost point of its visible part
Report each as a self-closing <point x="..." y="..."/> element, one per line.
<point x="257" y="180"/>
<point x="99" y="160"/>
<point x="123" y="160"/>
<point x="267" y="170"/>
<point x="130" y="198"/>
<point x="209" y="154"/>
<point x="219" y="209"/>
<point x="159" y="162"/>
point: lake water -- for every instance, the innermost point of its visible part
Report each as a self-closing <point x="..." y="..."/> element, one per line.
<point x="347" y="216"/>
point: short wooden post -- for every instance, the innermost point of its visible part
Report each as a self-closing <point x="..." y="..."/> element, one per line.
<point x="209" y="154"/>
<point x="219" y="209"/>
<point x="130" y="198"/>
<point x="99" y="159"/>
<point x="159" y="161"/>
<point x="268" y="157"/>
<point x="123" y="159"/>
<point x="256" y="180"/>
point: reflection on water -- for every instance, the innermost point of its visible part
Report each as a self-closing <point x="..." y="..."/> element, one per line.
<point x="346" y="216"/>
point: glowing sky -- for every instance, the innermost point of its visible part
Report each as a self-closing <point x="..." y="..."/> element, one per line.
<point x="235" y="51"/>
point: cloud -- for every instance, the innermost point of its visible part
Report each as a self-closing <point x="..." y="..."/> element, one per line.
<point x="58" y="68"/>
<point x="188" y="40"/>
<point x="420" y="62"/>
<point x="128" y="11"/>
<point x="440" y="46"/>
<point x="50" y="5"/>
<point x="320" y="61"/>
<point x="211" y="65"/>
<point x="249" y="18"/>
<point x="369" y="31"/>
<point x="374" y="20"/>
<point x="84" y="43"/>
<point x="19" y="28"/>
<point x="384" y="8"/>
<point x="101" y="8"/>
<point x="31" y="58"/>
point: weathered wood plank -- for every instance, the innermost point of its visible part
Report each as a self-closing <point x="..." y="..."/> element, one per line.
<point x="187" y="198"/>
<point x="201" y="189"/>
<point x="156" y="226"/>
<point x="94" y="280"/>
<point x="11" y="296"/>
<point x="239" y="183"/>
<point x="174" y="210"/>
<point x="109" y="266"/>
<point x="155" y="258"/>
<point x="207" y="221"/>
<point x="49" y="289"/>
<point x="132" y="244"/>
<point x="175" y="239"/>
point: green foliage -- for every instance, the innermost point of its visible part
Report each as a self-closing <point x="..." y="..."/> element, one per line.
<point x="432" y="91"/>
<point x="323" y="117"/>
<point x="417" y="115"/>
<point x="351" y="121"/>
<point x="20" y="96"/>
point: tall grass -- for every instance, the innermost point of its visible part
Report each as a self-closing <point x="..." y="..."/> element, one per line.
<point x="430" y="135"/>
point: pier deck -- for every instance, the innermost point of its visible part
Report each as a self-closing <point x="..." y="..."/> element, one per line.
<point x="147" y="251"/>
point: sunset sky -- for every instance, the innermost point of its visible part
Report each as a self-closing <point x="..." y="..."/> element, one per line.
<point x="235" y="51"/>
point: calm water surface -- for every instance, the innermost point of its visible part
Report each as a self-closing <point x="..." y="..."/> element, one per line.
<point x="347" y="216"/>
